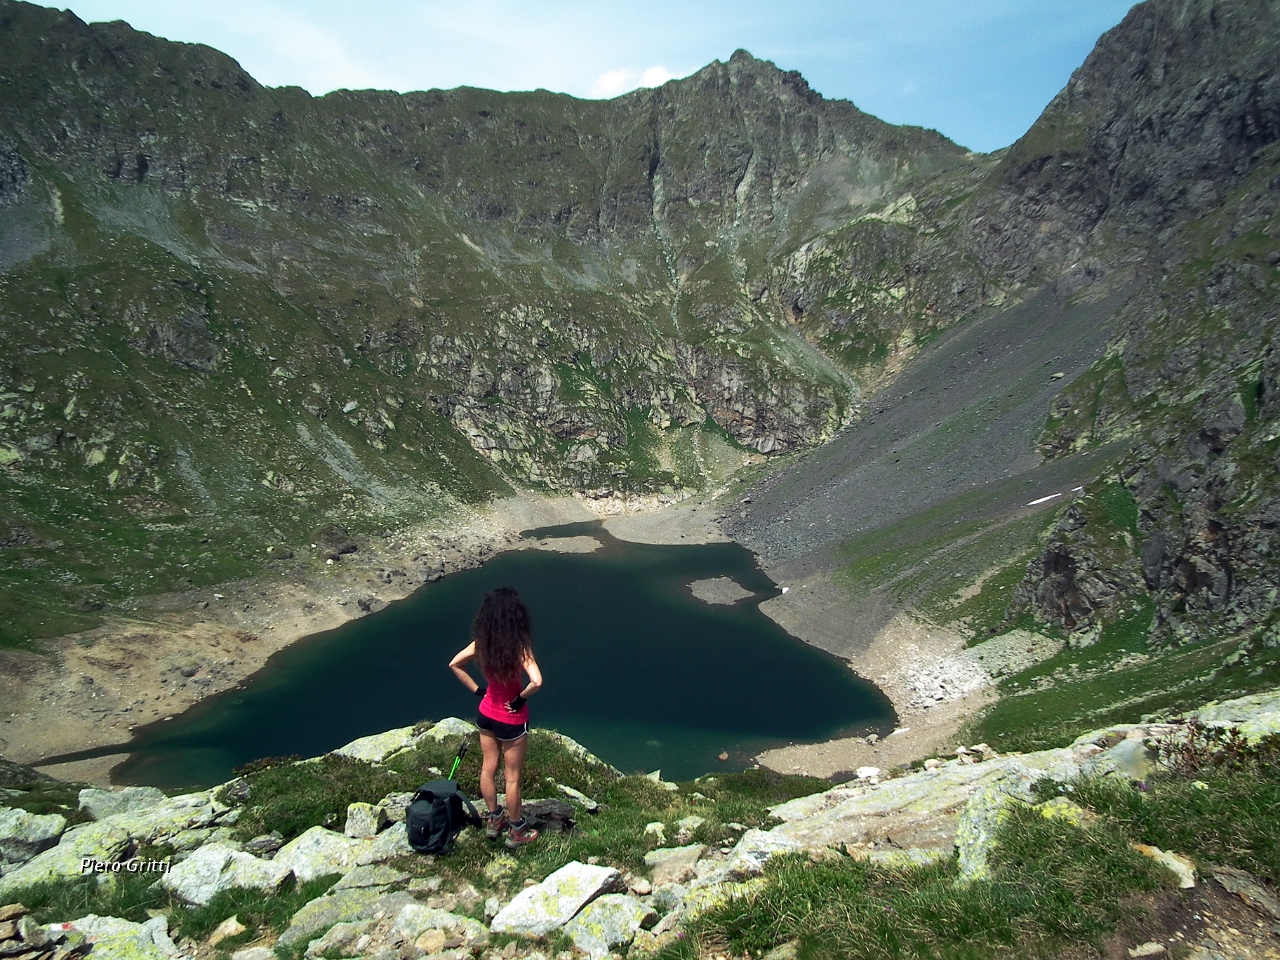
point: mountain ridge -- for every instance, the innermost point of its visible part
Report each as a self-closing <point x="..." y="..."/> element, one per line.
<point x="234" y="316"/>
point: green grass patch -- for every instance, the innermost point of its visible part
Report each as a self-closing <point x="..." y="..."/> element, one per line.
<point x="133" y="896"/>
<point x="292" y="797"/>
<point x="259" y="914"/>
<point x="1052" y="884"/>
<point x="1118" y="679"/>
<point x="1221" y="816"/>
<point x="127" y="895"/>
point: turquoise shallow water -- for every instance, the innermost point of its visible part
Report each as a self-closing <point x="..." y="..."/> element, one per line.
<point x="637" y="669"/>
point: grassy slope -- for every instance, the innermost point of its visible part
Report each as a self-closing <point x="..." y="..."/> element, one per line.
<point x="1053" y="883"/>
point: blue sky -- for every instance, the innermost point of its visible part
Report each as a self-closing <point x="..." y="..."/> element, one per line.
<point x="978" y="70"/>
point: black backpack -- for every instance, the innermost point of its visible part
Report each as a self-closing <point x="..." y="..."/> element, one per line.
<point x="437" y="813"/>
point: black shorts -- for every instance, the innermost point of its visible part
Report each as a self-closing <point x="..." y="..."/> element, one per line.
<point x="503" y="731"/>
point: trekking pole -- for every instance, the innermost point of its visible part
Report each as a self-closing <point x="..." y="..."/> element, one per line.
<point x="462" y="752"/>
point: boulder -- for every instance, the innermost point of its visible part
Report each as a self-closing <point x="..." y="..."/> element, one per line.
<point x="686" y="826"/>
<point x="668" y="896"/>
<point x="414" y="920"/>
<point x="265" y="845"/>
<point x="550" y="816"/>
<point x="976" y="829"/>
<point x="392" y="842"/>
<point x="920" y="809"/>
<point x="395" y="805"/>
<point x="188" y="840"/>
<point x="539" y="909"/>
<point x="607" y="922"/>
<point x="450" y="727"/>
<point x="378" y="747"/>
<point x="23" y="834"/>
<point x="98" y="842"/>
<point x="1130" y="758"/>
<point x="254" y="953"/>
<point x="100" y="804"/>
<point x="320" y="852"/>
<point x="1257" y="716"/>
<point x="343" y="906"/>
<point x="115" y="939"/>
<point x="230" y="927"/>
<point x="365" y="820"/>
<point x="754" y="850"/>
<point x="340" y="940"/>
<point x="164" y="820"/>
<point x="220" y="866"/>
<point x="1181" y="867"/>
<point x="579" y="797"/>
<point x="673" y="864"/>
<point x="371" y="875"/>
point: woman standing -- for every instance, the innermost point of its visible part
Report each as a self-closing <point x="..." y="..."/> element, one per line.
<point x="502" y="641"/>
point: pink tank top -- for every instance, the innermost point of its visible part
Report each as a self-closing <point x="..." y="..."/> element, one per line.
<point x="494" y="703"/>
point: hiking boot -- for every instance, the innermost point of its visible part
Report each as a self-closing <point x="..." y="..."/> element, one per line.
<point x="520" y="834"/>
<point x="494" y="824"/>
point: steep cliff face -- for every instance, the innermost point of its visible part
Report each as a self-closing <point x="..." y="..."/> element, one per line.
<point x="1146" y="194"/>
<point x="1177" y="115"/>
<point x="231" y="313"/>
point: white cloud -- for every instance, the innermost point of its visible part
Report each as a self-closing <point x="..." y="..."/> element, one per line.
<point x="614" y="83"/>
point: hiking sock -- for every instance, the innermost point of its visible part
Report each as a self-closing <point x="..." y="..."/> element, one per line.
<point x="519" y="824"/>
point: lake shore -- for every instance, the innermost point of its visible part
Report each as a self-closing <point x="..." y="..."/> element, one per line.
<point x="91" y="690"/>
<point x="97" y="687"/>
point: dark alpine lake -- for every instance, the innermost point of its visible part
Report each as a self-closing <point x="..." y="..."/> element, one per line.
<point x="636" y="668"/>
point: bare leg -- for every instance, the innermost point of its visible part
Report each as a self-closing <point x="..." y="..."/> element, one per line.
<point x="489" y="769"/>
<point x="513" y="752"/>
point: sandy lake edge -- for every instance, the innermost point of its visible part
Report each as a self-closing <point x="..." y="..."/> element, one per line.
<point x="95" y="689"/>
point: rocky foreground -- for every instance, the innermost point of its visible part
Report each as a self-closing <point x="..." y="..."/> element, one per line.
<point x="379" y="909"/>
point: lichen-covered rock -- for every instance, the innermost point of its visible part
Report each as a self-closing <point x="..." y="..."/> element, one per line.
<point x="918" y="810"/>
<point x="542" y="908"/>
<point x="415" y="919"/>
<point x="376" y="748"/>
<point x="607" y="922"/>
<point x="100" y="804"/>
<point x="975" y="832"/>
<point x="450" y="727"/>
<point x="116" y="939"/>
<point x="392" y="842"/>
<point x="217" y="867"/>
<point x="365" y="820"/>
<point x="23" y="834"/>
<point x="98" y="842"/>
<point x="342" y="906"/>
<point x="1130" y="758"/>
<point x="754" y="850"/>
<point x="320" y="852"/>
<point x="395" y="805"/>
<point x="371" y="875"/>
<point x="340" y="940"/>
<point x="170" y="816"/>
<point x="1257" y="716"/>
<point x="673" y="864"/>
<point x="699" y="901"/>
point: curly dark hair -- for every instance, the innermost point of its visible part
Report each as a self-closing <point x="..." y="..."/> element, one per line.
<point x="503" y="634"/>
